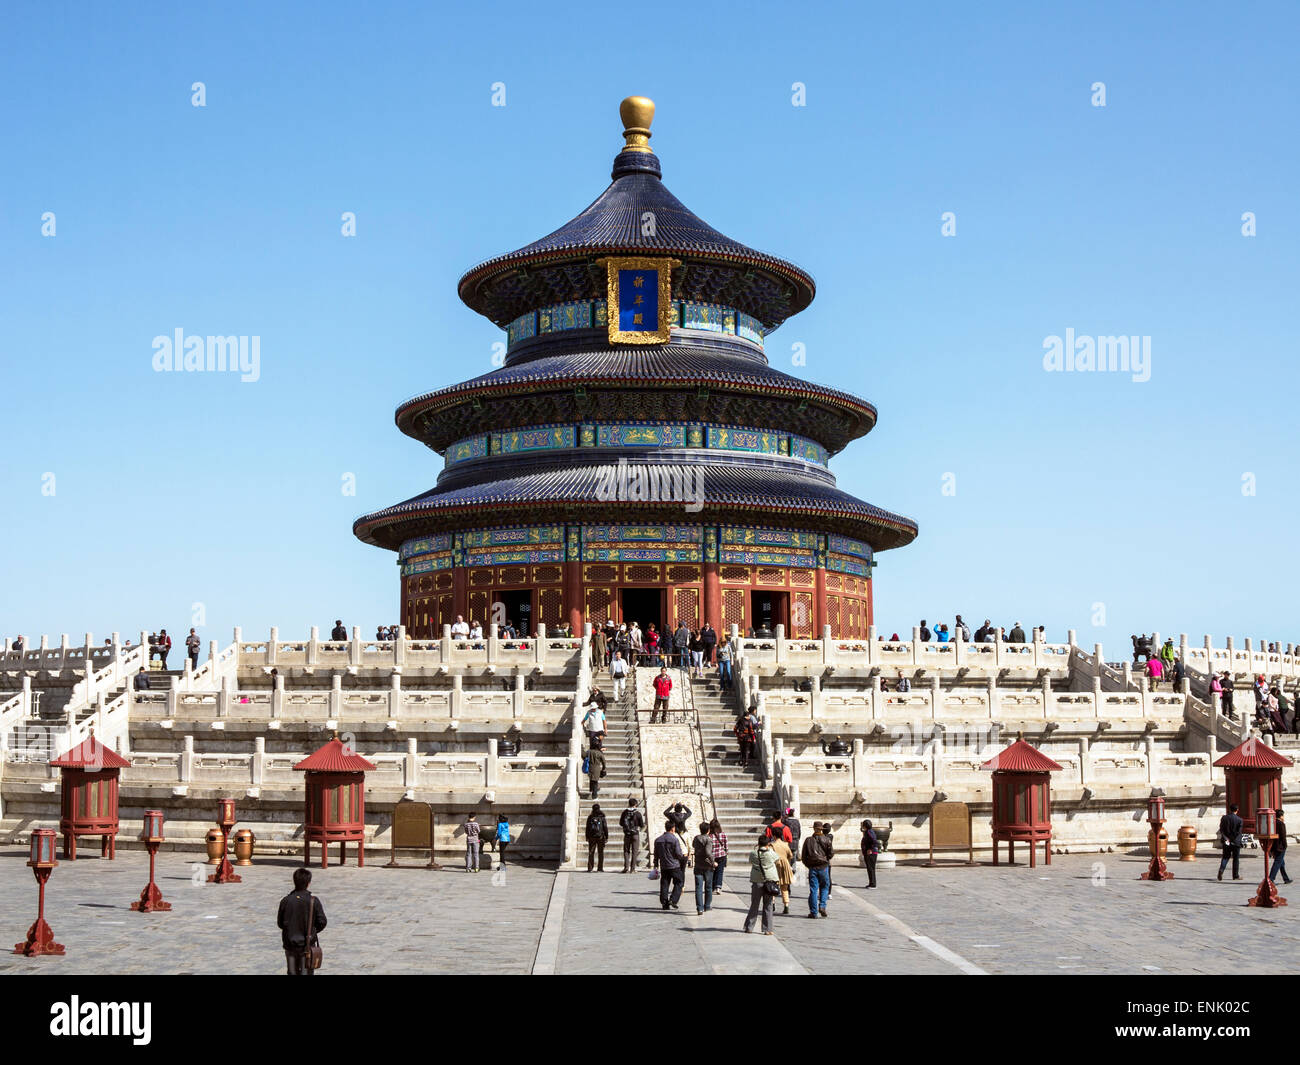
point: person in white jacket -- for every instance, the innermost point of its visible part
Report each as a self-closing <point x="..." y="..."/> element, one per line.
<point x="618" y="671"/>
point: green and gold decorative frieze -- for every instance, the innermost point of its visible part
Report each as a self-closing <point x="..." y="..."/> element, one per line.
<point x="542" y="438"/>
<point x="473" y="447"/>
<point x="594" y="314"/>
<point x="729" y="438"/>
<point x="641" y="543"/>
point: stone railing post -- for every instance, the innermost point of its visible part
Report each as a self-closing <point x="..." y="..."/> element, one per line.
<point x="312" y="652"/>
<point x="399" y="647"/>
<point x="816" y="700"/>
<point x="223" y="698"/>
<point x="539" y="648"/>
<point x="259" y="760"/>
<point x="173" y="697"/>
<point x="871" y="645"/>
<point x="395" y="696"/>
<point x="457" y="692"/>
<point x="490" y="765"/>
<point x="782" y="652"/>
<point x="1150" y="742"/>
<point x="1084" y="774"/>
<point x="936" y="699"/>
<point x="446" y="645"/>
<point x="187" y="761"/>
<point x="1182" y="648"/>
<point x="492" y="644"/>
<point x="997" y="647"/>
<point x="27" y="695"/>
<point x="994" y="705"/>
<point x="336" y="696"/>
<point x="271" y="649"/>
<point x="354" y="648"/>
<point x="958" y="650"/>
<point x="859" y="763"/>
<point x="277" y="696"/>
<point x="410" y="764"/>
<point x="1047" y="697"/>
<point x="916" y="644"/>
<point x="518" y="696"/>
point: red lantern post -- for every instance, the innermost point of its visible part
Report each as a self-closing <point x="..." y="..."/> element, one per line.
<point x="1266" y="832"/>
<point x="1157" y="870"/>
<point x="151" y="835"/>
<point x="40" y="937"/>
<point x="226" y="820"/>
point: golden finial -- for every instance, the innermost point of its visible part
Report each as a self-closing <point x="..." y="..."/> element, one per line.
<point x="637" y="112"/>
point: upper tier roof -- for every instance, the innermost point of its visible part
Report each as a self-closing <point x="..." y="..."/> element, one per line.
<point x="561" y="266"/>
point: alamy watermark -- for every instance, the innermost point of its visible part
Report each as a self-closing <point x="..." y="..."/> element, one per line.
<point x="195" y="354"/>
<point x="646" y="483"/>
<point x="1089" y="354"/>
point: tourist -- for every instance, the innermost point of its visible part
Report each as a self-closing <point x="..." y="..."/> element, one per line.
<point x="597" y="834"/>
<point x="678" y="813"/>
<point x="719" y="853"/>
<point x="597" y="649"/>
<point x="618" y="670"/>
<point x="1167" y="656"/>
<point x="153" y="646"/>
<point x="300" y="910"/>
<point x="1017" y="634"/>
<point x="1216" y="693"/>
<point x="709" y="637"/>
<point x="796" y="833"/>
<point x="18" y="644"/>
<point x="1155" y="670"/>
<point x="682" y="645"/>
<point x="503" y="836"/>
<point x="459" y="630"/>
<point x="663" y="685"/>
<point x="476" y="633"/>
<point x="1180" y="672"/>
<point x="141" y="682"/>
<point x="941" y="633"/>
<point x="611" y="630"/>
<point x="702" y="846"/>
<point x="696" y="646"/>
<point x="925" y="632"/>
<point x="777" y="829"/>
<point x="622" y="643"/>
<point x="652" y="646"/>
<point x="764" y="884"/>
<point x="724" y="663"/>
<point x="595" y="767"/>
<point x="783" y="853"/>
<point x="1230" y="826"/>
<point x="338" y="632"/>
<point x="670" y="862"/>
<point x="636" y="642"/>
<point x="870" y="849"/>
<point x="381" y="634"/>
<point x="904" y="684"/>
<point x="1228" y="686"/>
<point x="1283" y="705"/>
<point x="631" y="822"/>
<point x="816" y="857"/>
<point x="830" y="841"/>
<point x="963" y="630"/>
<point x="746" y="737"/>
<point x="1279" y="851"/>
<point x="594" y="721"/>
<point x="884" y="684"/>
<point x="192" y="649"/>
<point x="471" y="828"/>
<point x="1275" y="715"/>
<point x="164" y="646"/>
<point x="507" y="631"/>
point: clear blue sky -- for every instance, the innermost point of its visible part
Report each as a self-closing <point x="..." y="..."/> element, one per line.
<point x="1070" y="489"/>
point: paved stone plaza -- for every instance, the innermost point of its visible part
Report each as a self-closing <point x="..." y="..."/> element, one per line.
<point x="1084" y="914"/>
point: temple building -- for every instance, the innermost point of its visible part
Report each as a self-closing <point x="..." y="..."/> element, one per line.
<point x="636" y="457"/>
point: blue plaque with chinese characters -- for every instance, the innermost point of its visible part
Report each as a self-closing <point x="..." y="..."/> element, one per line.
<point x="640" y="298"/>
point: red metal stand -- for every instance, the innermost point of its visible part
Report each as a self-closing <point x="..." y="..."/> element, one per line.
<point x="1267" y="896"/>
<point x="151" y="899"/>
<point x="1157" y="870"/>
<point x="225" y="873"/>
<point x="40" y="937"/>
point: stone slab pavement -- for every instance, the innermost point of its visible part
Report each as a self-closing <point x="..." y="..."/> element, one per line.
<point x="1083" y="914"/>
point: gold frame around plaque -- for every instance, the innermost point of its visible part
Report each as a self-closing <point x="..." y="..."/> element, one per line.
<point x="664" y="268"/>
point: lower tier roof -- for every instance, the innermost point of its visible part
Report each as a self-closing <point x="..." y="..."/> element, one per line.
<point x="749" y="494"/>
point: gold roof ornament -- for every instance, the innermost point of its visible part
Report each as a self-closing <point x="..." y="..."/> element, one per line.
<point x="637" y="112"/>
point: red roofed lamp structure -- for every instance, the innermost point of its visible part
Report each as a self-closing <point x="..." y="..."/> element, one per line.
<point x="336" y="801"/>
<point x="1253" y="771"/>
<point x="1022" y="799"/>
<point x="90" y="773"/>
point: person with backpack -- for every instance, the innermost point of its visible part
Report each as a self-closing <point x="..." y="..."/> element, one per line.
<point x="816" y="857"/>
<point x="719" y="853"/>
<point x="503" y="837"/>
<point x="784" y="855"/>
<point x="670" y="862"/>
<point x="764" y="884"/>
<point x="796" y="832"/>
<point x="1230" y="826"/>
<point x="618" y="671"/>
<point x="870" y="849"/>
<point x="705" y="863"/>
<point x="746" y="737"/>
<point x="597" y="834"/>
<point x="777" y="829"/>
<point x="595" y="764"/>
<point x="682" y="645"/>
<point x="594" y="720"/>
<point x="663" y="685"/>
<point x="301" y="918"/>
<point x="631" y="822"/>
<point x="338" y="633"/>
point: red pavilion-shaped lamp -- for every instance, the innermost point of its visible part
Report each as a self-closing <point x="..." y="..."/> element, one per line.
<point x="90" y="773"/>
<point x="40" y="937"/>
<point x="151" y="835"/>
<point x="1022" y="800"/>
<point x="336" y="801"/>
<point x="1157" y="870"/>
<point x="1253" y="771"/>
<point x="1266" y="831"/>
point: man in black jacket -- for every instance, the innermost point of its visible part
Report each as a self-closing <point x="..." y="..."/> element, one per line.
<point x="597" y="834"/>
<point x="338" y="633"/>
<point x="818" y="850"/>
<point x="141" y="682"/>
<point x="678" y="813"/>
<point x="632" y="823"/>
<point x="296" y="909"/>
<point x="670" y="860"/>
<point x="1230" y="826"/>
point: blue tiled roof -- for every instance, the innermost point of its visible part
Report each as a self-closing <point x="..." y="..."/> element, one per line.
<point x="774" y="491"/>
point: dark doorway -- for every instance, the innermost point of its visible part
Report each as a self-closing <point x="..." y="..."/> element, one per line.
<point x="770" y="609"/>
<point x="515" y="607"/>
<point x="645" y="606"/>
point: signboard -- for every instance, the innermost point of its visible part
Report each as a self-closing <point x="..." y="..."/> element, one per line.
<point x="950" y="828"/>
<point x="640" y="297"/>
<point x="412" y="829"/>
